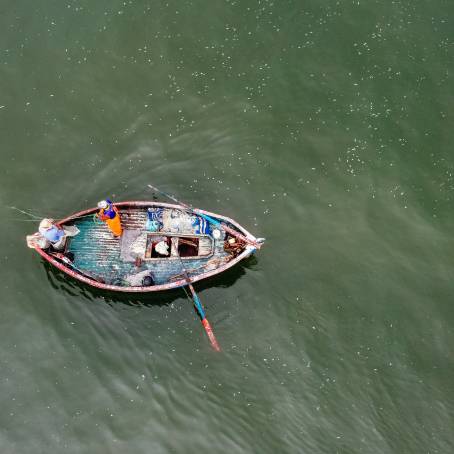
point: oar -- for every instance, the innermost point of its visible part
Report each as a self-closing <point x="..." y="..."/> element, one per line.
<point x="205" y="322"/>
<point x="201" y="312"/>
<point x="213" y="221"/>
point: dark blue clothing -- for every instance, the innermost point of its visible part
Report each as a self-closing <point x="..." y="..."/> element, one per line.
<point x="54" y="234"/>
<point x="109" y="211"/>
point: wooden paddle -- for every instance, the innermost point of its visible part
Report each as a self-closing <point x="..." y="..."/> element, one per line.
<point x="211" y="220"/>
<point x="200" y="310"/>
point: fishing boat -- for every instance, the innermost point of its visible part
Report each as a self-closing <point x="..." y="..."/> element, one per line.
<point x="163" y="246"/>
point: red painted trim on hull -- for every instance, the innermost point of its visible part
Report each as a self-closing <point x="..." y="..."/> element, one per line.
<point x="155" y="288"/>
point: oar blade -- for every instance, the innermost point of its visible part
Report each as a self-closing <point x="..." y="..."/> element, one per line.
<point x="205" y="322"/>
<point x="210" y="334"/>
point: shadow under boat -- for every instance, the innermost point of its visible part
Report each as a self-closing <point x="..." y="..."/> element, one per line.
<point x="61" y="281"/>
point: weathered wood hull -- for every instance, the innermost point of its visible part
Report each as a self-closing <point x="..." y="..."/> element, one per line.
<point x="105" y="262"/>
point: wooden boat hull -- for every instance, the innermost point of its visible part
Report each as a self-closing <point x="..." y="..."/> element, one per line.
<point x="109" y="263"/>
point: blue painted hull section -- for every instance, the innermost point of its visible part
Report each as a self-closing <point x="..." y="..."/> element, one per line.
<point x="98" y="254"/>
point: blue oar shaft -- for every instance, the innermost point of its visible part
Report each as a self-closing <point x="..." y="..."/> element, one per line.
<point x="200" y="310"/>
<point x="197" y="302"/>
<point x="205" y="322"/>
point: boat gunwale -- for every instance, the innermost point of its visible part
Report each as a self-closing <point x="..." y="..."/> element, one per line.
<point x="248" y="250"/>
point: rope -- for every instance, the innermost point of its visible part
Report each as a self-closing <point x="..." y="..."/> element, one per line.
<point x="35" y="217"/>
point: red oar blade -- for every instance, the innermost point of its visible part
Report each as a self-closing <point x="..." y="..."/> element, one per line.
<point x="210" y="334"/>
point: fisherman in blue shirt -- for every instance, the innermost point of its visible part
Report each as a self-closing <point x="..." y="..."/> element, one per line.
<point x="54" y="234"/>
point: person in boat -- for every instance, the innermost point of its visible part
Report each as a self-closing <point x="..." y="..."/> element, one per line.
<point x="54" y="234"/>
<point x="162" y="248"/>
<point x="110" y="215"/>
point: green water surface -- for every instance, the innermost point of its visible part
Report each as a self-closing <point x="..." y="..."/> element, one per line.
<point x="326" y="127"/>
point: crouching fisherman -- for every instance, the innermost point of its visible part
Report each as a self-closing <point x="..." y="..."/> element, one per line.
<point x="55" y="235"/>
<point x="109" y="213"/>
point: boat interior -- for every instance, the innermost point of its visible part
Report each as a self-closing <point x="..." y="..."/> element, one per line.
<point x="158" y="245"/>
